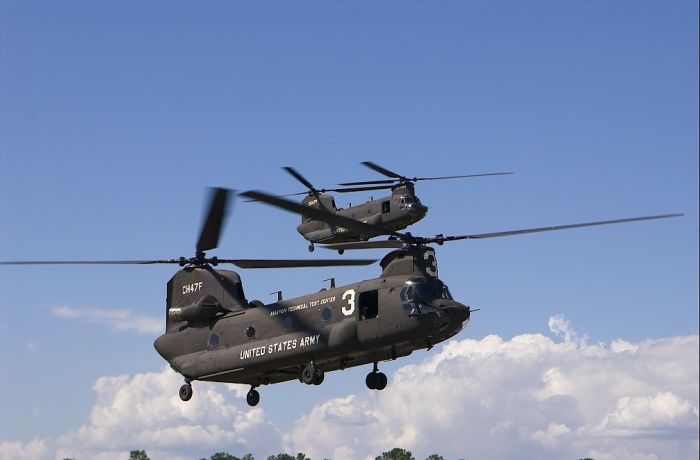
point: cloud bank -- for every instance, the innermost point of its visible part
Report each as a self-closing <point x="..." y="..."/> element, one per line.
<point x="116" y="319"/>
<point x="528" y="397"/>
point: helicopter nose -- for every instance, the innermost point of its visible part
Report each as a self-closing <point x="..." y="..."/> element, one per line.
<point x="418" y="210"/>
<point x="457" y="312"/>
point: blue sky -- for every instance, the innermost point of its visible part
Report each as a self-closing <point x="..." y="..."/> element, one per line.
<point x="115" y="117"/>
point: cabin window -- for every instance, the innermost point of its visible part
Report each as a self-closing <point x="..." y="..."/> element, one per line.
<point x="369" y="305"/>
<point x="288" y="323"/>
<point x="214" y="340"/>
<point x="386" y="207"/>
<point x="326" y="314"/>
<point x="250" y="332"/>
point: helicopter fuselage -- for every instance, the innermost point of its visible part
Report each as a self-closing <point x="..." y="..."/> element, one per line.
<point x="370" y="321"/>
<point x="394" y="212"/>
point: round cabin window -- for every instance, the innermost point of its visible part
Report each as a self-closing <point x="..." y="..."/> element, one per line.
<point x="326" y="314"/>
<point x="250" y="332"/>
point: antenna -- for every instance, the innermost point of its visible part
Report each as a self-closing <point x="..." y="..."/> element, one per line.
<point x="332" y="280"/>
<point x="279" y="295"/>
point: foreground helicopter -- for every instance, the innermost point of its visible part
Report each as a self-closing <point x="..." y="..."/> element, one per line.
<point x="214" y="334"/>
<point x="394" y="212"/>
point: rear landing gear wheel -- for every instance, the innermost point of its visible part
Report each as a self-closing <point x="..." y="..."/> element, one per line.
<point x="253" y="397"/>
<point x="341" y="251"/>
<point x="311" y="247"/>
<point x="186" y="392"/>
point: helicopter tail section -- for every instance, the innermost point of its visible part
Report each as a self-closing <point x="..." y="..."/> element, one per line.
<point x="197" y="294"/>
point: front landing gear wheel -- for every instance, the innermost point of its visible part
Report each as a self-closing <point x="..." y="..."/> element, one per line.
<point x="312" y="375"/>
<point x="253" y="397"/>
<point x="311" y="247"/>
<point x="186" y="392"/>
<point x="371" y="381"/>
<point x="376" y="381"/>
<point x="318" y="376"/>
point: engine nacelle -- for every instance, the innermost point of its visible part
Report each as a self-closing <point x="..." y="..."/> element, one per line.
<point x="203" y="310"/>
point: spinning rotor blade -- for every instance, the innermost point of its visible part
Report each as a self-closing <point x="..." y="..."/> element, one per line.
<point x="242" y="263"/>
<point x="298" y="263"/>
<point x="211" y="230"/>
<point x="441" y="239"/>
<point x="325" y="216"/>
<point x="363" y="189"/>
<point x="91" y="262"/>
<point x="400" y="179"/>
<point x="382" y="170"/>
<point x="386" y="244"/>
<point x="301" y="179"/>
<point x="462" y="176"/>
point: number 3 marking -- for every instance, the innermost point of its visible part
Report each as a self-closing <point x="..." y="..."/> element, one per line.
<point x="350" y="308"/>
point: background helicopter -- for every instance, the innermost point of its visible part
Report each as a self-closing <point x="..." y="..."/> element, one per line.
<point x="394" y="212"/>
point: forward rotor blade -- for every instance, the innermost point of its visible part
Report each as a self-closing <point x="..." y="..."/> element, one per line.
<point x="548" y="229"/>
<point x="386" y="244"/>
<point x="463" y="176"/>
<point x="325" y="216"/>
<point x="211" y="230"/>
<point x="371" y="182"/>
<point x="381" y="170"/>
<point x="415" y="179"/>
<point x="296" y="263"/>
<point x="299" y="177"/>
<point x="362" y="189"/>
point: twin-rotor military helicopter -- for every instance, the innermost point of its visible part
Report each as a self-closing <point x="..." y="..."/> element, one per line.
<point x="214" y="334"/>
<point x="393" y="212"/>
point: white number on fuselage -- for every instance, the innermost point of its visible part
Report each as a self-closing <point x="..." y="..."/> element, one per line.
<point x="349" y="309"/>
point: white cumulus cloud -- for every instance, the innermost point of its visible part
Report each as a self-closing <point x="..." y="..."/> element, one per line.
<point x="528" y="397"/>
<point x="116" y="319"/>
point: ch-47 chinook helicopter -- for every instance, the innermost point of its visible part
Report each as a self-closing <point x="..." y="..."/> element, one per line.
<point x="214" y="334"/>
<point x="405" y="309"/>
<point x="394" y="212"/>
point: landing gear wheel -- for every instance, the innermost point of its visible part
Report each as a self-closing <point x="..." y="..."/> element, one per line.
<point x="381" y="381"/>
<point x="311" y="247"/>
<point x="318" y="376"/>
<point x="253" y="397"/>
<point x="186" y="392"/>
<point x="308" y="374"/>
<point x="371" y="381"/>
<point x="341" y="251"/>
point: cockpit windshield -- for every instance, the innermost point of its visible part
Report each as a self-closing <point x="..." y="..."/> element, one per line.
<point x="445" y="293"/>
<point x="418" y="290"/>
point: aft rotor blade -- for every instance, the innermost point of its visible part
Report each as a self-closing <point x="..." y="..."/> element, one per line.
<point x="549" y="229"/>
<point x="296" y="263"/>
<point x="325" y="216"/>
<point x="211" y="230"/>
<point x="463" y="176"/>
<point x="381" y="170"/>
<point x="91" y="262"/>
<point x="299" y="177"/>
<point x="386" y="244"/>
